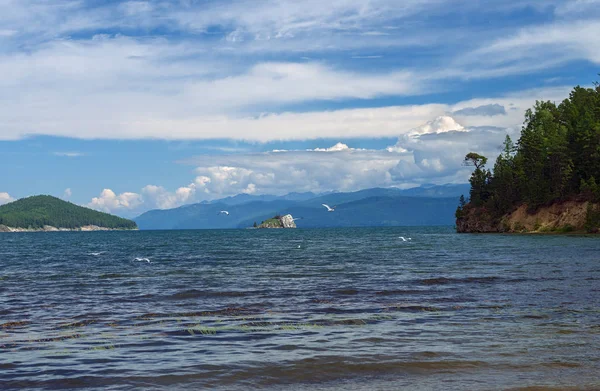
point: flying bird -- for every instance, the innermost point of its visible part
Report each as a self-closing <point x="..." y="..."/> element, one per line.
<point x="224" y="212"/>
<point x="404" y="239"/>
<point x="329" y="209"/>
<point x="142" y="260"/>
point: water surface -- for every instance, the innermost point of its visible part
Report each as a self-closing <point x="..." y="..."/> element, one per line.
<point x="330" y="309"/>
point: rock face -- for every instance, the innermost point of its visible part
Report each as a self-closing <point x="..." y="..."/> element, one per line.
<point x="477" y="220"/>
<point x="559" y="217"/>
<point x="286" y="221"/>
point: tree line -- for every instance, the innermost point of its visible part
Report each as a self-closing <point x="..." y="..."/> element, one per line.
<point x="557" y="157"/>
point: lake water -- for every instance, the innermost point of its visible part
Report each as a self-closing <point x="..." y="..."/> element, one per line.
<point x="322" y="309"/>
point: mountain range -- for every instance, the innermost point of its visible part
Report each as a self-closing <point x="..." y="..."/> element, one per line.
<point x="424" y="205"/>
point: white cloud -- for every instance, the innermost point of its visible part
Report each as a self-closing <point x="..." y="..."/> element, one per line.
<point x="432" y="153"/>
<point x="5" y="198"/>
<point x="150" y="197"/>
<point x="57" y="78"/>
<point x="110" y="202"/>
<point x="67" y="193"/>
<point x="122" y="88"/>
<point x="530" y="49"/>
<point x="426" y="152"/>
<point x="159" y="197"/>
<point x="336" y="148"/>
<point x="441" y="124"/>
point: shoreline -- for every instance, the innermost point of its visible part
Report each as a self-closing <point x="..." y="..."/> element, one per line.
<point x="49" y="228"/>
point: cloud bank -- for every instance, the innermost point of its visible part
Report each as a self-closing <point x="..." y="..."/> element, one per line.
<point x="205" y="70"/>
<point x="430" y="153"/>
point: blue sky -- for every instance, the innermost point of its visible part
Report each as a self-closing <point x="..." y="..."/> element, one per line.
<point x="126" y="106"/>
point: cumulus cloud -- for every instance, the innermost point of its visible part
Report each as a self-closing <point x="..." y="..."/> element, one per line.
<point x="110" y="202"/>
<point x="67" y="193"/>
<point x="336" y="148"/>
<point x="441" y="124"/>
<point x="430" y="153"/>
<point x="158" y="197"/>
<point x="149" y="197"/>
<point x="5" y="198"/>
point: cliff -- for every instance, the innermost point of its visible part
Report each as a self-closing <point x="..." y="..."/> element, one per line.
<point x="564" y="216"/>
<point x="286" y="221"/>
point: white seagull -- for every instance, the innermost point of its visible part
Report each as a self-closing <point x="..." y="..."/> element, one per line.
<point x="404" y="239"/>
<point x="224" y="212"/>
<point x="142" y="260"/>
<point x="329" y="209"/>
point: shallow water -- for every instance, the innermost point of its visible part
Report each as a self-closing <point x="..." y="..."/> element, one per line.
<point x="326" y="309"/>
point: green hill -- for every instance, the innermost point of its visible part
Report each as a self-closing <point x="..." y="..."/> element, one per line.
<point x="38" y="211"/>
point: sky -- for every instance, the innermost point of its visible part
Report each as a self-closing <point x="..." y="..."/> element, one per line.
<point x="126" y="106"/>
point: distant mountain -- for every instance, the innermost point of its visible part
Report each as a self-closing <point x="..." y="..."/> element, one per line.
<point x="449" y="190"/>
<point x="245" y="198"/>
<point x="370" y="207"/>
<point x="39" y="211"/>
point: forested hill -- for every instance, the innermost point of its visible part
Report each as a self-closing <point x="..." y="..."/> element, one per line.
<point x="556" y="159"/>
<point x="39" y="211"/>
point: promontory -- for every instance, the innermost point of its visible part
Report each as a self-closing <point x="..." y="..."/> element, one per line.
<point x="47" y="213"/>
<point x="549" y="180"/>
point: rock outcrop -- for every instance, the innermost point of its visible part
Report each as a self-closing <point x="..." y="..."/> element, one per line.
<point x="566" y="216"/>
<point x="287" y="221"/>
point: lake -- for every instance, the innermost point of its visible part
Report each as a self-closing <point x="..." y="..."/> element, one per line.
<point x="304" y="309"/>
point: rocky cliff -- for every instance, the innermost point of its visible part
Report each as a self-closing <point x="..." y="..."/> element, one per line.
<point x="566" y="216"/>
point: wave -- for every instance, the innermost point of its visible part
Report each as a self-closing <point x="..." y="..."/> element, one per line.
<point x="471" y="280"/>
<point x="194" y="294"/>
<point x="259" y="374"/>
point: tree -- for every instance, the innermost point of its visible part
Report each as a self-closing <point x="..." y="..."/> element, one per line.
<point x="503" y="188"/>
<point x="475" y="159"/>
<point x="462" y="202"/>
<point x="480" y="178"/>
